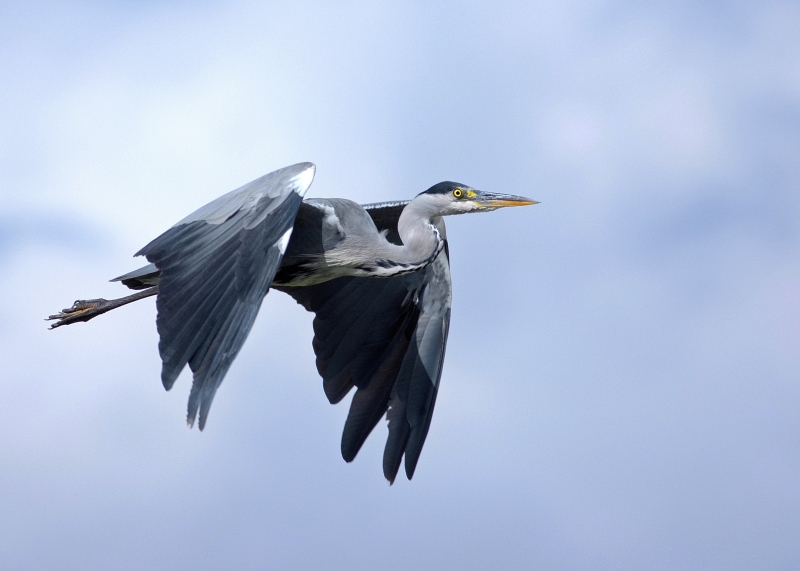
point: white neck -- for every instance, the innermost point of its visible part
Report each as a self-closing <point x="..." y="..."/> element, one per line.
<point x="422" y="241"/>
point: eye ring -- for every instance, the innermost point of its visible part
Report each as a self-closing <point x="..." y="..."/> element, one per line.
<point x="458" y="193"/>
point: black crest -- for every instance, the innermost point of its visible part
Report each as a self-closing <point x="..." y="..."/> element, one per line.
<point x="445" y="187"/>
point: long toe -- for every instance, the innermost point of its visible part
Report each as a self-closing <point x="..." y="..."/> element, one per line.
<point x="81" y="310"/>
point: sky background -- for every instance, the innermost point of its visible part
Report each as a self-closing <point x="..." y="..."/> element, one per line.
<point x="622" y="384"/>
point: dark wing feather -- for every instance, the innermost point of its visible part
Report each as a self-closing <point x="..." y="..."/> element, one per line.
<point x="387" y="338"/>
<point x="215" y="268"/>
<point x="414" y="392"/>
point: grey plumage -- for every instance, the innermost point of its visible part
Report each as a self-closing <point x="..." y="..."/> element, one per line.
<point x="377" y="278"/>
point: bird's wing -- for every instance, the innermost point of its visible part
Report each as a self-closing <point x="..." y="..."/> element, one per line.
<point x="386" y="337"/>
<point x="215" y="267"/>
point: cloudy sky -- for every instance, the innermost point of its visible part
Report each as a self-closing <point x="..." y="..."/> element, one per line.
<point x="622" y="385"/>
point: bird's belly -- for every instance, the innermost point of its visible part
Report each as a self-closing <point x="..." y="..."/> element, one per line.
<point x="308" y="274"/>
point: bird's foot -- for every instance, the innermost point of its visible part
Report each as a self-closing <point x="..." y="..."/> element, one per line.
<point x="86" y="309"/>
<point x="81" y="310"/>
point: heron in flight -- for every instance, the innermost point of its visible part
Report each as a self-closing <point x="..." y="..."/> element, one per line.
<point x="377" y="278"/>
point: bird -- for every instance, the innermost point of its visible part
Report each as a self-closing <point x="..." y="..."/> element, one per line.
<point x="376" y="276"/>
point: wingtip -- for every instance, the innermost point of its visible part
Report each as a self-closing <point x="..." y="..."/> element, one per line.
<point x="410" y="464"/>
<point x="348" y="452"/>
<point x="190" y="418"/>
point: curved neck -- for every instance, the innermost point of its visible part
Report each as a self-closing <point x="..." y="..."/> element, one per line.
<point x="422" y="242"/>
<point x="421" y="239"/>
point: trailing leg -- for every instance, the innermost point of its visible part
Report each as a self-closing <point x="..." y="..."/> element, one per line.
<point x="86" y="309"/>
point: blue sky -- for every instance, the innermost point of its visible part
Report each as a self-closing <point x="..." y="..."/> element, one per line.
<point x="622" y="383"/>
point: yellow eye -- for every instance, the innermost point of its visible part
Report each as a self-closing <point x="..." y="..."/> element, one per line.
<point x="458" y="193"/>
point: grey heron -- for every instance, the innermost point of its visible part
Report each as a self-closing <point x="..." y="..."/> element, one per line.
<point x="377" y="278"/>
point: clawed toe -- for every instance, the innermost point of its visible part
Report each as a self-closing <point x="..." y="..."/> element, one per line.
<point x="86" y="309"/>
<point x="81" y="310"/>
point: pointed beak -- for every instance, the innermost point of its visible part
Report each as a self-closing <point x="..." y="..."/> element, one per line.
<point x="491" y="200"/>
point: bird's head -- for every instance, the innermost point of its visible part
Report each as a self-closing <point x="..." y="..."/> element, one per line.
<point x="448" y="198"/>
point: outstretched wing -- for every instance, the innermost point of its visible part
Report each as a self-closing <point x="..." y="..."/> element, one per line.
<point x="215" y="266"/>
<point x="386" y="337"/>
